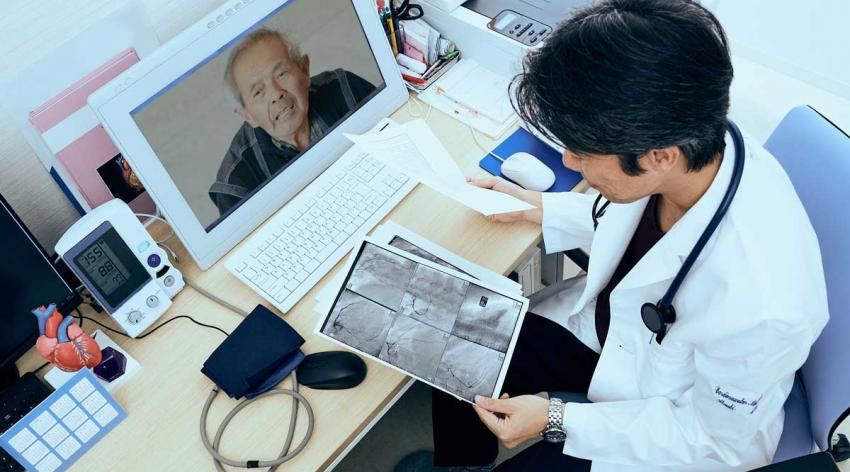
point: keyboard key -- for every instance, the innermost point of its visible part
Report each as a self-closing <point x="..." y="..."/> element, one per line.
<point x="22" y="440"/>
<point x="93" y="402"/>
<point x="68" y="447"/>
<point x="35" y="452"/>
<point x="105" y="415"/>
<point x="48" y="464"/>
<point x="311" y="265"/>
<point x="55" y="436"/>
<point x="87" y="431"/>
<point x="42" y="423"/>
<point x="292" y="285"/>
<point x="301" y="275"/>
<point x="62" y="406"/>
<point x="82" y="389"/>
<point x="74" y="419"/>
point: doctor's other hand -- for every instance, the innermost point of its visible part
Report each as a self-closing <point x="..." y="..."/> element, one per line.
<point x="513" y="420"/>
<point x="501" y="185"/>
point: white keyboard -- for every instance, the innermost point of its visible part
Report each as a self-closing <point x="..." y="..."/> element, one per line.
<point x="303" y="241"/>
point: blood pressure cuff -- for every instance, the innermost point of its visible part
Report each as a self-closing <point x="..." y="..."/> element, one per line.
<point x="257" y="355"/>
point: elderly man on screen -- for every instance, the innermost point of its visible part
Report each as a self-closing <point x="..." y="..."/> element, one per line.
<point x="284" y="108"/>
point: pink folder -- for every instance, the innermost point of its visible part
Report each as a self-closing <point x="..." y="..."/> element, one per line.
<point x="92" y="160"/>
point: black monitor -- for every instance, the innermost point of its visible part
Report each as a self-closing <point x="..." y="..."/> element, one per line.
<point x="27" y="279"/>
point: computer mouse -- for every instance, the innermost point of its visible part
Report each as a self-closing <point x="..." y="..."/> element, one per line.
<point x="331" y="370"/>
<point x="527" y="171"/>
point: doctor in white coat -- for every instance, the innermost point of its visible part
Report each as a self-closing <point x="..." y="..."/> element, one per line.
<point x="638" y="92"/>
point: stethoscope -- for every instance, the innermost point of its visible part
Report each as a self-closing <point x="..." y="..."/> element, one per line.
<point x="660" y="315"/>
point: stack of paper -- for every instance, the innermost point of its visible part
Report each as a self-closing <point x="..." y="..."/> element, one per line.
<point x="402" y="238"/>
<point x="413" y="149"/>
<point x="475" y="96"/>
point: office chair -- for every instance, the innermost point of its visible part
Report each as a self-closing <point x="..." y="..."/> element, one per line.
<point x="816" y="156"/>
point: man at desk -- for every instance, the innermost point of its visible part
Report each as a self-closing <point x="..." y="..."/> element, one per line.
<point x="637" y="91"/>
<point x="285" y="110"/>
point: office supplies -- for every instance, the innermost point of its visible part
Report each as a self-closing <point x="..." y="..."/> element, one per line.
<point x="332" y="370"/>
<point x="56" y="378"/>
<point x="28" y="279"/>
<point x="393" y="41"/>
<point x="64" y="426"/>
<point x="127" y="28"/>
<point x="412" y="64"/>
<point x="139" y="117"/>
<point x="398" y="236"/>
<point x="478" y="89"/>
<point x="121" y="265"/>
<point x="426" y="320"/>
<point x="413" y="149"/>
<point x="528" y="172"/>
<point x="523" y="141"/>
<point x="16" y="401"/>
<point x="63" y="343"/>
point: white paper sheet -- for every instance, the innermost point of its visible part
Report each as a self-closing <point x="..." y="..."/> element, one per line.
<point x="386" y="233"/>
<point x="413" y="148"/>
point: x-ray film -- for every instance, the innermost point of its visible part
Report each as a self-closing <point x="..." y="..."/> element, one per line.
<point x="426" y="319"/>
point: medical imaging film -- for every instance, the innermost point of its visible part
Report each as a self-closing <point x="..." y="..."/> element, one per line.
<point x="437" y="327"/>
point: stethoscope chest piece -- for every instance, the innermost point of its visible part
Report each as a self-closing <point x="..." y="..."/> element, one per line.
<point x="656" y="318"/>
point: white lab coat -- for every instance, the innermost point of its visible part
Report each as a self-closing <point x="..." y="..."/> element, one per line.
<point x="711" y="396"/>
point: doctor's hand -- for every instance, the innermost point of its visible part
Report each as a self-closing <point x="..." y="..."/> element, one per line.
<point x="501" y="185"/>
<point x="513" y="420"/>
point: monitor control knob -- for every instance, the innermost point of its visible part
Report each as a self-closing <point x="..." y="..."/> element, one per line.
<point x="135" y="316"/>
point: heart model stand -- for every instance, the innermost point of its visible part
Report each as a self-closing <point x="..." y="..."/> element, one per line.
<point x="62" y="343"/>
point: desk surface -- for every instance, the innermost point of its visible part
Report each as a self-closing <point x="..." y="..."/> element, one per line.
<point x="164" y="399"/>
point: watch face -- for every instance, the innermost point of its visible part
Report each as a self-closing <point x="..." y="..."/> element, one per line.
<point x="555" y="436"/>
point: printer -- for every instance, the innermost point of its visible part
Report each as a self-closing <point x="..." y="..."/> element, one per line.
<point x="498" y="33"/>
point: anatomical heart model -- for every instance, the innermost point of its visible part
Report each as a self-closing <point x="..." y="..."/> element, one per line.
<point x="62" y="342"/>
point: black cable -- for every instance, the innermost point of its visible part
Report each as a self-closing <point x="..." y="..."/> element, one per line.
<point x="188" y="318"/>
<point x="160" y="326"/>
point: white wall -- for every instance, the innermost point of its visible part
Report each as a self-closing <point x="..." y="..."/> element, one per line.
<point x="787" y="53"/>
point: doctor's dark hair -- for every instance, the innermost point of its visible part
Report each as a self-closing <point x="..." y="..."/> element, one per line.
<point x="627" y="76"/>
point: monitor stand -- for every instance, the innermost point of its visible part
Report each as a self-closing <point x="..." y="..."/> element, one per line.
<point x="8" y="375"/>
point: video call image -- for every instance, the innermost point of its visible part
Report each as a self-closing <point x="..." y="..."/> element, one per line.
<point x="249" y="112"/>
<point x="442" y="329"/>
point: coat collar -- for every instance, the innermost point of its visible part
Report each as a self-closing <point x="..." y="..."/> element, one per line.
<point x="664" y="260"/>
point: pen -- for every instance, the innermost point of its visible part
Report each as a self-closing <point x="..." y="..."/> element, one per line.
<point x="392" y="36"/>
<point x="468" y="108"/>
<point x="415" y="80"/>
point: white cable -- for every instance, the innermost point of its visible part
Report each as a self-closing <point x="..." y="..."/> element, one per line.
<point x="157" y="217"/>
<point x="214" y="298"/>
<point x="419" y="104"/>
<point x="475" y="137"/>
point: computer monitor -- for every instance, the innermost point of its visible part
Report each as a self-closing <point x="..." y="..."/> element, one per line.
<point x="233" y="117"/>
<point x="27" y="280"/>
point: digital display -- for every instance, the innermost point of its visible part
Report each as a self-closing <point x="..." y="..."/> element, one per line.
<point x="248" y="112"/>
<point x="111" y="268"/>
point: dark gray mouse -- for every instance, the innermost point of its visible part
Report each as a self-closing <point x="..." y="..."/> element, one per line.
<point x="331" y="370"/>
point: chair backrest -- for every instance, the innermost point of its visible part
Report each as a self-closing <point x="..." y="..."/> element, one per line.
<point x="816" y="155"/>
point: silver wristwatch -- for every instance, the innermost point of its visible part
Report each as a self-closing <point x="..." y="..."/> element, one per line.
<point x="554" y="431"/>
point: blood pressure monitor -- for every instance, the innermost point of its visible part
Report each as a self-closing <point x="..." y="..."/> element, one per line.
<point x="113" y="255"/>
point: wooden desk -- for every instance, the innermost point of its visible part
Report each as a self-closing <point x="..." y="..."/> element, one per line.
<point x="164" y="399"/>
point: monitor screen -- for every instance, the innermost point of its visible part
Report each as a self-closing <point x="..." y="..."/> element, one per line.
<point x="111" y="268"/>
<point x="228" y="126"/>
<point x="27" y="280"/>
